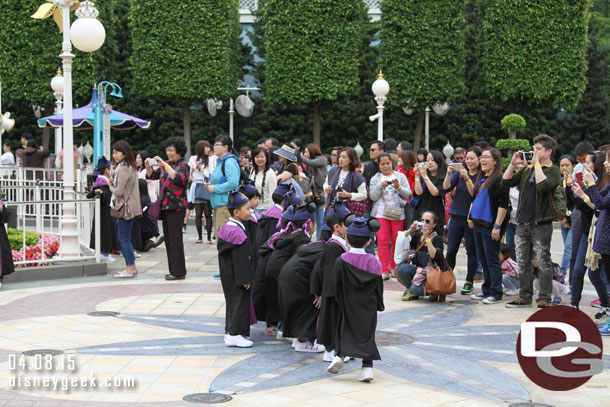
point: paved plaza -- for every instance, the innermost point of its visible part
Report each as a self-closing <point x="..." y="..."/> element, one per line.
<point x="168" y="338"/>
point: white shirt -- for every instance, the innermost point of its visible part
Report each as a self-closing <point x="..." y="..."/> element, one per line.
<point x="357" y="250"/>
<point x="7" y="160"/>
<point x="389" y="197"/>
<point x="202" y="173"/>
<point x="270" y="184"/>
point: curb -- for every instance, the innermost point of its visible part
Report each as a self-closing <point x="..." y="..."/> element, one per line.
<point x="56" y="272"/>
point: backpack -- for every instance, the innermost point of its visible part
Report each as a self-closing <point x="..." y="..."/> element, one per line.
<point x="243" y="177"/>
<point x="559" y="202"/>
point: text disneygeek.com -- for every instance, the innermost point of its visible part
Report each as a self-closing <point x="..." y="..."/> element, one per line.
<point x="58" y="373"/>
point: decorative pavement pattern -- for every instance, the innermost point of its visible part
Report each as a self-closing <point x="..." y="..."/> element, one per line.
<point x="167" y="338"/>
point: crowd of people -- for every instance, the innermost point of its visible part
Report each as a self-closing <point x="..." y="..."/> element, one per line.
<point x="305" y="240"/>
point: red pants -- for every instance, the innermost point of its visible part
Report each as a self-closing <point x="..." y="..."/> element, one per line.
<point x="386" y="236"/>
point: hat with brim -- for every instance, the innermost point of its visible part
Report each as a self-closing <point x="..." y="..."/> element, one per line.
<point x="363" y="227"/>
<point x="292" y="198"/>
<point x="289" y="213"/>
<point x="287" y="152"/>
<point x="303" y="213"/>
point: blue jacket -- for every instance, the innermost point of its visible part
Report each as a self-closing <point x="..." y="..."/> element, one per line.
<point x="224" y="184"/>
<point x="601" y="199"/>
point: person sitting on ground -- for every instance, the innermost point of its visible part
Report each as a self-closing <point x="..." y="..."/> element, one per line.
<point x="510" y="271"/>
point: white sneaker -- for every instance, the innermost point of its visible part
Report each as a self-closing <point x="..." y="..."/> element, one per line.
<point x="137" y="255"/>
<point x="491" y="300"/>
<point x="366" y="374"/>
<point x="294" y="342"/>
<point x="480" y="296"/>
<point x="107" y="259"/>
<point x="328" y="355"/>
<point x="511" y="292"/>
<point x="336" y="365"/>
<point x="308" y="347"/>
<point x="346" y="359"/>
<point x="279" y="335"/>
<point x="238" y="341"/>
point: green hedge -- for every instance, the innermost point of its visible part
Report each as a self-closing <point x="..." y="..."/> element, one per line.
<point x="512" y="122"/>
<point x="506" y="145"/>
<point x="15" y="238"/>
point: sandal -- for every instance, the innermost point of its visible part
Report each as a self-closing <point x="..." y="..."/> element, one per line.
<point x="198" y="241"/>
<point x="210" y="242"/>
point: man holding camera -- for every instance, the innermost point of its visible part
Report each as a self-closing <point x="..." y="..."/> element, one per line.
<point x="535" y="215"/>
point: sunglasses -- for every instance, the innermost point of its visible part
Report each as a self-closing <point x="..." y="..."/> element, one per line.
<point x="426" y="220"/>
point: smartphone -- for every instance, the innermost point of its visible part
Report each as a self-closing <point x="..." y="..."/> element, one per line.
<point x="457" y="166"/>
<point x="152" y="162"/>
<point x="527" y="156"/>
<point x="423" y="165"/>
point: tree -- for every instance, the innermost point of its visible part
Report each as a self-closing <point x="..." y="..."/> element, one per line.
<point x="30" y="59"/>
<point x="185" y="52"/>
<point x="311" y="52"/>
<point x="422" y="53"/>
<point x="534" y="52"/>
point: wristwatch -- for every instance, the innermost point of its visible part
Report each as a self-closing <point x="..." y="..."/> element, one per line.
<point x="496" y="226"/>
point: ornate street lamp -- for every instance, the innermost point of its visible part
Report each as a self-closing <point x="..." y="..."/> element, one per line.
<point x="57" y="84"/>
<point x="380" y="88"/>
<point x="88" y="37"/>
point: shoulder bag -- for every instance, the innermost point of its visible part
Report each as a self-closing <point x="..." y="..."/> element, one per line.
<point x="358" y="208"/>
<point x="440" y="282"/>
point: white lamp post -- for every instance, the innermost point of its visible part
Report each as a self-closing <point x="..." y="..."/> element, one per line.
<point x="57" y="84"/>
<point x="380" y="88"/>
<point x="448" y="151"/>
<point x="440" y="110"/>
<point x="88" y="37"/>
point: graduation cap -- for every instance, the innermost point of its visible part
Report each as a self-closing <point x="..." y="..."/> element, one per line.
<point x="250" y="190"/>
<point x="305" y="212"/>
<point x="102" y="164"/>
<point x="289" y="213"/>
<point x="237" y="199"/>
<point x="362" y="226"/>
<point x="282" y="188"/>
<point x="292" y="198"/>
<point x="338" y="208"/>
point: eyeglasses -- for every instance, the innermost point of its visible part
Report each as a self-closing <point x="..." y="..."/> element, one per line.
<point x="218" y="145"/>
<point x="372" y="150"/>
<point x="486" y="157"/>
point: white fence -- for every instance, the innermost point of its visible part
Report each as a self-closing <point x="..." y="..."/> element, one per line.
<point x="35" y="197"/>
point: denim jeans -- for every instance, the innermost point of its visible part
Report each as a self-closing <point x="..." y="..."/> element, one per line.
<point x="577" y="233"/>
<point x="320" y="218"/>
<point x="510" y="283"/>
<point x="124" y="236"/>
<point x="458" y="228"/>
<point x="578" y="276"/>
<point x="566" y="234"/>
<point x="406" y="272"/>
<point x="509" y="236"/>
<point x="488" y="253"/>
<point x="534" y="239"/>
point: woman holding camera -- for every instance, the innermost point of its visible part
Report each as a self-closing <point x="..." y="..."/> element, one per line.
<point x="429" y="192"/>
<point x="461" y="178"/>
<point x="343" y="181"/>
<point x="174" y="175"/>
<point x="389" y="192"/>
<point x="125" y="202"/>
<point x="488" y="220"/>
<point x="426" y="251"/>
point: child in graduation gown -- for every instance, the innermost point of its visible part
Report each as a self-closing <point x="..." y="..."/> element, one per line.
<point x="267" y="226"/>
<point x="107" y="232"/>
<point x="359" y="293"/>
<point x="6" y="253"/>
<point x="298" y="310"/>
<point x="323" y="277"/>
<point x="235" y="262"/>
<point x="250" y="191"/>
<point x="294" y="234"/>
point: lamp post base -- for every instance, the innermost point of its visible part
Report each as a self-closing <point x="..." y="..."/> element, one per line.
<point x="70" y="246"/>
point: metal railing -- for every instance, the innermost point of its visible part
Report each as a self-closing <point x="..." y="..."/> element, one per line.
<point x="45" y="217"/>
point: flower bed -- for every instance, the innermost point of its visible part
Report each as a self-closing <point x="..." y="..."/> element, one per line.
<point x="34" y="251"/>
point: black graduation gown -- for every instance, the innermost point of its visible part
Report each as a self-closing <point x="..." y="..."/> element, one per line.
<point x="8" y="266"/>
<point x="299" y="315"/>
<point x="234" y="260"/>
<point x="322" y="284"/>
<point x="285" y="248"/>
<point x="107" y="232"/>
<point x="360" y="295"/>
<point x="258" y="285"/>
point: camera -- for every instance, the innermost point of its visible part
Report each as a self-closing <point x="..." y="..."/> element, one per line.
<point x="423" y="165"/>
<point x="527" y="156"/>
<point x="152" y="162"/>
<point x="420" y="225"/>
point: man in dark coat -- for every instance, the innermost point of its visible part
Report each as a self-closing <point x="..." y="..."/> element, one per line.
<point x="235" y="262"/>
<point x="359" y="293"/>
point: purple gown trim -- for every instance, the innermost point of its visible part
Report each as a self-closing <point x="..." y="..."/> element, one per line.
<point x="254" y="217"/>
<point x="366" y="262"/>
<point x="232" y="233"/>
<point x="98" y="182"/>
<point x="273" y="212"/>
<point x="338" y="242"/>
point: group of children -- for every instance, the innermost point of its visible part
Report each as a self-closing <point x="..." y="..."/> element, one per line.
<point x="323" y="295"/>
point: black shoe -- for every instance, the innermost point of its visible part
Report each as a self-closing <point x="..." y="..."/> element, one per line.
<point x="148" y="245"/>
<point x="159" y="241"/>
<point x="171" y="277"/>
